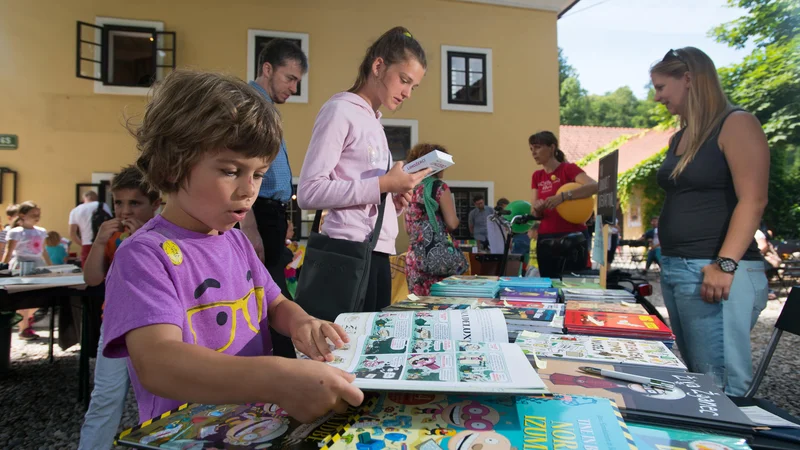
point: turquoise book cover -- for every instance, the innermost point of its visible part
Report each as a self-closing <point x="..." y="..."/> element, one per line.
<point x="651" y="437"/>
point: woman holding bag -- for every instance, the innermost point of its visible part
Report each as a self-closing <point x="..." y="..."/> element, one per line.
<point x="348" y="171"/>
<point x="430" y="217"/>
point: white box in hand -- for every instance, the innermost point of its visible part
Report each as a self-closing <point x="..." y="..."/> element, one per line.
<point x="437" y="161"/>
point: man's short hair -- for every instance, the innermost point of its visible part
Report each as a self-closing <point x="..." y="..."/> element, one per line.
<point x="477" y="198"/>
<point x="192" y="113"/>
<point x="132" y="178"/>
<point x="91" y="195"/>
<point x="278" y="51"/>
<point x="12" y="210"/>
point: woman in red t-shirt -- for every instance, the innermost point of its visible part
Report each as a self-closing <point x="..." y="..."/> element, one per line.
<point x="555" y="172"/>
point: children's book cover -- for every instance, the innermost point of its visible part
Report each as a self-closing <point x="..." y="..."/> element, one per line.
<point x="693" y="399"/>
<point x="250" y="426"/>
<point x="606" y="306"/>
<point x="603" y="322"/>
<point x="654" y="437"/>
<point x="598" y="349"/>
<point x="404" y="421"/>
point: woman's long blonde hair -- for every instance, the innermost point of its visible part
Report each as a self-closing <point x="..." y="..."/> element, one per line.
<point x="706" y="103"/>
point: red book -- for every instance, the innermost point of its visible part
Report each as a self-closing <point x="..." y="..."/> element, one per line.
<point x="617" y="324"/>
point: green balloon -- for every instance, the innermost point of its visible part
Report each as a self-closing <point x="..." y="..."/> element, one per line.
<point x="519" y="208"/>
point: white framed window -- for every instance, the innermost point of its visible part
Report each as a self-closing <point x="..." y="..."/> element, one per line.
<point x="124" y="56"/>
<point x="257" y="39"/>
<point x="467" y="79"/>
<point x="402" y="135"/>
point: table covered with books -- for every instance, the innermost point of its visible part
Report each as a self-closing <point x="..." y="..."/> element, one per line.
<point x="493" y="363"/>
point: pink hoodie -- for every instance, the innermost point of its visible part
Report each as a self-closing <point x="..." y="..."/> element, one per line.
<point x="347" y="153"/>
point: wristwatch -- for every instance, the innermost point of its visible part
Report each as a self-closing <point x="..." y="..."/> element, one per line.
<point x="726" y="265"/>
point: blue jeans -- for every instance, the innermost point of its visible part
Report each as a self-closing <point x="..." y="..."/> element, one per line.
<point x="716" y="334"/>
<point x="108" y="400"/>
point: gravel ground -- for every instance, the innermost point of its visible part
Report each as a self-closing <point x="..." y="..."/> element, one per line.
<point x="39" y="408"/>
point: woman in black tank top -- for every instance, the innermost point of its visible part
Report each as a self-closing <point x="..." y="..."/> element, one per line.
<point x="715" y="176"/>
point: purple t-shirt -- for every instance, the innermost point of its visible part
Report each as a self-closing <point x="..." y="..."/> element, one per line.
<point x="214" y="288"/>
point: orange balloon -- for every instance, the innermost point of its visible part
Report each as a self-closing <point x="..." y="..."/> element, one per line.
<point x="575" y="211"/>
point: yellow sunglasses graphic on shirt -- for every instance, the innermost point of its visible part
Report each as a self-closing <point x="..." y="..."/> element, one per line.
<point x="232" y="308"/>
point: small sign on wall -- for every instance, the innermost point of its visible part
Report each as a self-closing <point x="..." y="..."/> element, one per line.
<point x="8" y="141"/>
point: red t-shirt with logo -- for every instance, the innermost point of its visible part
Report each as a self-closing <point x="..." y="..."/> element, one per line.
<point x="546" y="185"/>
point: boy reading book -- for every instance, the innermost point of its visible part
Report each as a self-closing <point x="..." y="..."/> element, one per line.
<point x="187" y="297"/>
<point x="134" y="205"/>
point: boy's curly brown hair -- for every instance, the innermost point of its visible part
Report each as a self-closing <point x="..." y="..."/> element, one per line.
<point x="192" y="113"/>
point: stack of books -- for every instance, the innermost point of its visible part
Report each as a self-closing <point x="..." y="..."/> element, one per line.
<point x="525" y="282"/>
<point x="466" y="286"/>
<point x="599" y="295"/>
<point x="615" y="306"/>
<point x="525" y="294"/>
<point x="636" y="326"/>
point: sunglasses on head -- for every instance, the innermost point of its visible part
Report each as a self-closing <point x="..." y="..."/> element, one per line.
<point x="673" y="55"/>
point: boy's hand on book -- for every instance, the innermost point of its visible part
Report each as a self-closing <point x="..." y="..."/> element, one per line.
<point x="397" y="181"/>
<point x="311" y="338"/>
<point x="313" y="389"/>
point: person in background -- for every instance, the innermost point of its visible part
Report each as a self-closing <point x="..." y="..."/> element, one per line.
<point x="345" y="168"/>
<point x="545" y="182"/>
<point x="533" y="260"/>
<point x="25" y="245"/>
<point x="135" y="204"/>
<point x="11" y="214"/>
<point x="431" y="208"/>
<point x="54" y="248"/>
<point x="613" y="241"/>
<point x="80" y="223"/>
<point x="477" y="221"/>
<point x="653" y="245"/>
<point x="282" y="65"/>
<point x="496" y="233"/>
<point x="715" y="175"/>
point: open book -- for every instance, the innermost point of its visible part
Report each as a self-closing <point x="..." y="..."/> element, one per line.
<point x="435" y="351"/>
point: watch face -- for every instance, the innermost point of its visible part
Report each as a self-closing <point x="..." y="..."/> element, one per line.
<point x="727" y="265"/>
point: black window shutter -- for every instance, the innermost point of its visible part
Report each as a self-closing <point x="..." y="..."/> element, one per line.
<point x="86" y="51"/>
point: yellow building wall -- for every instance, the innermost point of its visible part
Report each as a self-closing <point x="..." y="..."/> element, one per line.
<point x="66" y="131"/>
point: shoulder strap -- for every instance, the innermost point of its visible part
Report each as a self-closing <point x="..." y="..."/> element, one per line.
<point x="378" y="223"/>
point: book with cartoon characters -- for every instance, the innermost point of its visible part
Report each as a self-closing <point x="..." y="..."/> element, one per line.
<point x="694" y="401"/>
<point x="258" y="425"/>
<point x="462" y="422"/>
<point x="439" y="351"/>
<point x="598" y="349"/>
<point x="656" y="437"/>
<point x="615" y="306"/>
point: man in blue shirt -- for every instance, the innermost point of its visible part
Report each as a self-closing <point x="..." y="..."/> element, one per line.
<point x="282" y="65"/>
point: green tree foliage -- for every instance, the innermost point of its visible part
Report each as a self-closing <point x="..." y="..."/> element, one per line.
<point x="614" y="109"/>
<point x="767" y="83"/>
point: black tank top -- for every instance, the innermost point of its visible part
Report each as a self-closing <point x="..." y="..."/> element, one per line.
<point x="699" y="203"/>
